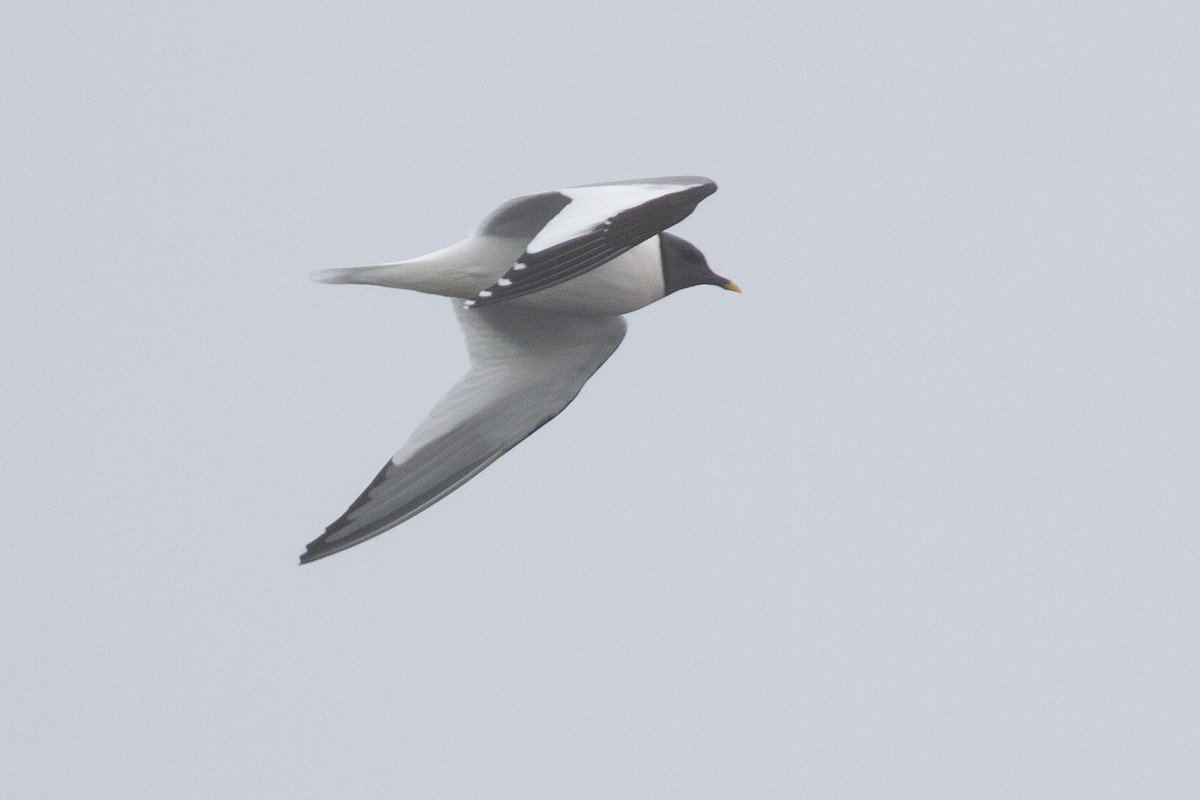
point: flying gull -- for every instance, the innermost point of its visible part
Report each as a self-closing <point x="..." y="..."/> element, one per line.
<point x="539" y="292"/>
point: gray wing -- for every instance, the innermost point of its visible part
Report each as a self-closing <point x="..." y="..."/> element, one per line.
<point x="589" y="226"/>
<point x="524" y="217"/>
<point x="526" y="367"/>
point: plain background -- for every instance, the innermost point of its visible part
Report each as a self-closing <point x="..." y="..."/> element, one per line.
<point x="916" y="516"/>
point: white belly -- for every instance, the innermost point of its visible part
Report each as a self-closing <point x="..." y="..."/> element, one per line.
<point x="628" y="282"/>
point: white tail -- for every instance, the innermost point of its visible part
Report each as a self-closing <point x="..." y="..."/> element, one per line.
<point x="345" y="275"/>
<point x="459" y="270"/>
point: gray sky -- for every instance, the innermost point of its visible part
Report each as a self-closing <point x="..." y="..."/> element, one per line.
<point x="916" y="516"/>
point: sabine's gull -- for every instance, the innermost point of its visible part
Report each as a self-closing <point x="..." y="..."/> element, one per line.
<point x="539" y="292"/>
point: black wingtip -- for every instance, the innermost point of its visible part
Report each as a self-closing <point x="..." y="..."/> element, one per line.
<point x="318" y="549"/>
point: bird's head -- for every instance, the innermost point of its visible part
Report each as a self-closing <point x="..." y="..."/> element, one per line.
<point x="683" y="265"/>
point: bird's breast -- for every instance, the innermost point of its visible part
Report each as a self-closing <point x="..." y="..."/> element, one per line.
<point x="626" y="283"/>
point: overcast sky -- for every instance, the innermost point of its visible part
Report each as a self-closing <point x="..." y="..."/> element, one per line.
<point x="916" y="516"/>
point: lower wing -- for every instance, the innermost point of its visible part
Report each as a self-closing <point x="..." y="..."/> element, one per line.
<point x="526" y="367"/>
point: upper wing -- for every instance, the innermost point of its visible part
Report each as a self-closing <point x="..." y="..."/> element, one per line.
<point x="524" y="217"/>
<point x="585" y="227"/>
<point x="526" y="367"/>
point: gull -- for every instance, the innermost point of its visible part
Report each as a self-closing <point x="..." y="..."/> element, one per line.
<point x="539" y="291"/>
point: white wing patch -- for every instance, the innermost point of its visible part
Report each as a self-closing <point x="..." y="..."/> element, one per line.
<point x="593" y="205"/>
